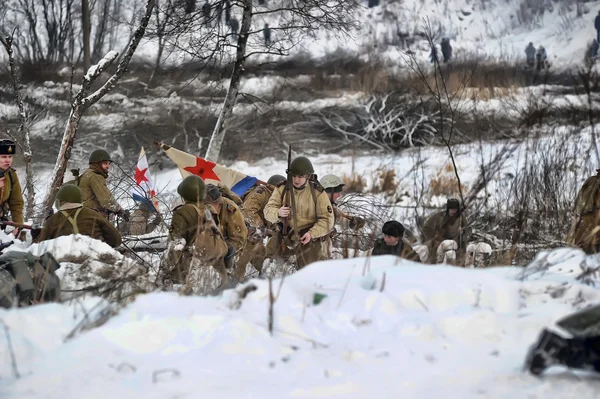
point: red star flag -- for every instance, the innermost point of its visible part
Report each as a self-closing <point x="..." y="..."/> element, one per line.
<point x="210" y="172"/>
<point x="144" y="189"/>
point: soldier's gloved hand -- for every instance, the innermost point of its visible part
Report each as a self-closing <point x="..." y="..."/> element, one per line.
<point x="357" y="223"/>
<point x="230" y="258"/>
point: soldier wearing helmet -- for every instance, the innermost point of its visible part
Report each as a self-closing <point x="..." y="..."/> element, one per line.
<point x="73" y="218"/>
<point x="11" y="197"/>
<point x="333" y="186"/>
<point x="94" y="192"/>
<point x="449" y="224"/>
<point x="184" y="231"/>
<point x="255" y="201"/>
<point x="310" y="215"/>
<point x="230" y="220"/>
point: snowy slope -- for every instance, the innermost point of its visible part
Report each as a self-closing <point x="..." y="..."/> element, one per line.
<point x="385" y="329"/>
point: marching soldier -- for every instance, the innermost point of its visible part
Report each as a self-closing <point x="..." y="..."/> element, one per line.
<point x="333" y="186"/>
<point x="308" y="212"/>
<point x="230" y="220"/>
<point x="143" y="220"/>
<point x="11" y="197"/>
<point x="253" y="209"/>
<point x="393" y="243"/>
<point x="193" y="234"/>
<point x="73" y="218"/>
<point x="445" y="225"/>
<point x="94" y="191"/>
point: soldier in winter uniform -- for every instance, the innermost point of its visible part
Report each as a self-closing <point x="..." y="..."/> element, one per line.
<point x="143" y="220"/>
<point x="445" y="225"/>
<point x="585" y="232"/>
<point x="309" y="215"/>
<point x="230" y="220"/>
<point x="190" y="227"/>
<point x="446" y="49"/>
<point x="333" y="186"/>
<point x="73" y="218"/>
<point x="94" y="191"/>
<point x="392" y="242"/>
<point x="253" y="209"/>
<point x="11" y="197"/>
<point x="530" y="54"/>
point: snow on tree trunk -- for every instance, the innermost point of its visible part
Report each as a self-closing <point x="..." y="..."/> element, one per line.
<point x="84" y="101"/>
<point x="23" y="138"/>
<point x="218" y="135"/>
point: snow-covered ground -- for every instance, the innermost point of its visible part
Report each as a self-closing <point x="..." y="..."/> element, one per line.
<point x="350" y="328"/>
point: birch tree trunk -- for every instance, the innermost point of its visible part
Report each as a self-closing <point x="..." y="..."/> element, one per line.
<point x="218" y="135"/>
<point x="84" y="101"/>
<point x="24" y="140"/>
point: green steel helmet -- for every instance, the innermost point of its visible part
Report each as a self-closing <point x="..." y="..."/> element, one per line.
<point x="276" y="180"/>
<point x="69" y="193"/>
<point x="192" y="189"/>
<point x="99" y="156"/>
<point x="332" y="183"/>
<point x="301" y="166"/>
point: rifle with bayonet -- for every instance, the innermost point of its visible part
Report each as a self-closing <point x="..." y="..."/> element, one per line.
<point x="289" y="192"/>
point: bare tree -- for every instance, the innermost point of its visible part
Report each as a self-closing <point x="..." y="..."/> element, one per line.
<point x="448" y="100"/>
<point x="162" y="19"/>
<point x="23" y="140"/>
<point x="86" y="27"/>
<point x="83" y="101"/>
<point x="201" y="35"/>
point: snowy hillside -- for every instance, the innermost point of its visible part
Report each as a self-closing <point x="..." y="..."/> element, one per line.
<point x="350" y="328"/>
<point x="486" y="29"/>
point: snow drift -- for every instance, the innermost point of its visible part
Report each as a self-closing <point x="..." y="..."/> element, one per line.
<point x="378" y="327"/>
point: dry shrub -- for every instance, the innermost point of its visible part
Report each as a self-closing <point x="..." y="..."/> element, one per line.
<point x="354" y="183"/>
<point x="445" y="183"/>
<point x="386" y="182"/>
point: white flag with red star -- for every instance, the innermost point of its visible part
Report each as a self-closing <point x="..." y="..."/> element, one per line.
<point x="210" y="172"/>
<point x="144" y="190"/>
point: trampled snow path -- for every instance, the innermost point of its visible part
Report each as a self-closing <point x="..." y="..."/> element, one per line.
<point x="434" y="331"/>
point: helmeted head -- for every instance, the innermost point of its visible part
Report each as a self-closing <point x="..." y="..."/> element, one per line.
<point x="393" y="232"/>
<point x="276" y="180"/>
<point x="300" y="168"/>
<point x="69" y="193"/>
<point x="7" y="150"/>
<point x="213" y="194"/>
<point x="452" y="206"/>
<point x="333" y="185"/>
<point x="99" y="156"/>
<point x="192" y="189"/>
